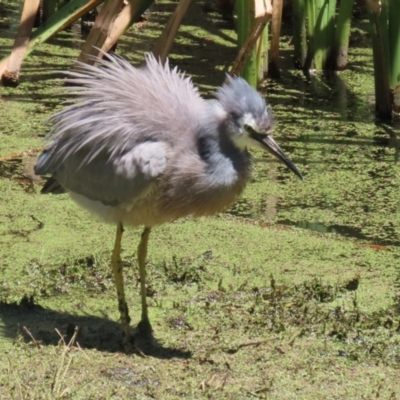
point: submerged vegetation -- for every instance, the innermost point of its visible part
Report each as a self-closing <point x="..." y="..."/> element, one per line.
<point x="293" y="293"/>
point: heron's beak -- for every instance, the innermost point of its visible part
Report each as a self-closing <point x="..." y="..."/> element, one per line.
<point x="269" y="144"/>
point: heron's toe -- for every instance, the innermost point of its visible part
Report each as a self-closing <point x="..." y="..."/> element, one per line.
<point x="144" y="328"/>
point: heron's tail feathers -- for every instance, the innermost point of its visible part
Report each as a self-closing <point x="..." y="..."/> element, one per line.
<point x="52" y="186"/>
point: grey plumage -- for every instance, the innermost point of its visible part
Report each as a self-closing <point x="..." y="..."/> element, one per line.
<point x="139" y="146"/>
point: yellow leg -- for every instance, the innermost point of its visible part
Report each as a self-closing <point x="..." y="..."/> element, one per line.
<point x="144" y="324"/>
<point x="119" y="283"/>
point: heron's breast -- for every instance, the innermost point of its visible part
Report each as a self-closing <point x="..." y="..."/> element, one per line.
<point x="193" y="190"/>
<point x="143" y="211"/>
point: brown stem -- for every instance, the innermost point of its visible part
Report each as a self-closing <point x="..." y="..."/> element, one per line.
<point x="102" y="28"/>
<point x="10" y="76"/>
<point x="165" y="41"/>
<point x="273" y="67"/>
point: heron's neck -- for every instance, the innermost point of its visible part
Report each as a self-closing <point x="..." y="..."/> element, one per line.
<point x="227" y="164"/>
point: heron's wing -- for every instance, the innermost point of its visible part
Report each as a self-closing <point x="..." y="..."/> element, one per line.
<point x="119" y="106"/>
<point x="117" y="182"/>
<point x="122" y="119"/>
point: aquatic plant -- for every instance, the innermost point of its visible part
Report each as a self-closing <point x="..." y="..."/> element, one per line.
<point x="385" y="33"/>
<point x="321" y="34"/>
<point x="252" y="17"/>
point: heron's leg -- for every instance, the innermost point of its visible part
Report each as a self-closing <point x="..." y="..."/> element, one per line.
<point x="116" y="263"/>
<point x="144" y="324"/>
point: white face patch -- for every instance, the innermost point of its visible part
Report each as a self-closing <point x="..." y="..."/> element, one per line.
<point x="248" y="119"/>
<point x="242" y="139"/>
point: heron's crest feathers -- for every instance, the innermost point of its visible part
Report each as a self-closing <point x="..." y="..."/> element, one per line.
<point x="238" y="97"/>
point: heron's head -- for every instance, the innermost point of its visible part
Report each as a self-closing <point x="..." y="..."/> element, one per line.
<point x="249" y="122"/>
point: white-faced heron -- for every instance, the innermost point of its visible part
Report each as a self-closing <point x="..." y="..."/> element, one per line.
<point x="141" y="147"/>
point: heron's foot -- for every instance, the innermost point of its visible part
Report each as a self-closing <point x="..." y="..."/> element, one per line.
<point x="128" y="347"/>
<point x="144" y="327"/>
<point x="128" y="343"/>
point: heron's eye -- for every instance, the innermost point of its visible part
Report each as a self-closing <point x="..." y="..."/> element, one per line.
<point x="248" y="128"/>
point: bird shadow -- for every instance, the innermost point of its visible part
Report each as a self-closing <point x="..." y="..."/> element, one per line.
<point x="34" y="323"/>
